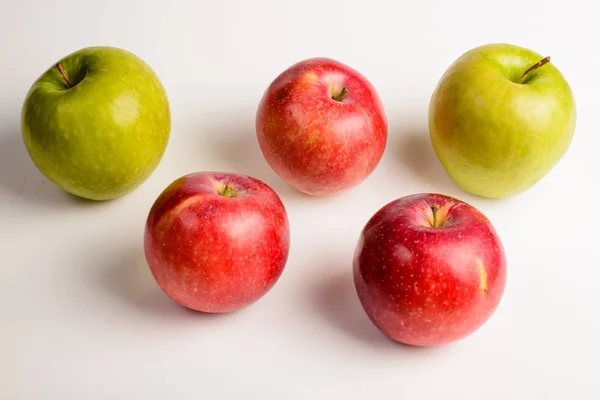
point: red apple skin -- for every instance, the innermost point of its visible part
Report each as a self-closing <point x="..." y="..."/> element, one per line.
<point x="213" y="253"/>
<point x="319" y="145"/>
<point x="424" y="285"/>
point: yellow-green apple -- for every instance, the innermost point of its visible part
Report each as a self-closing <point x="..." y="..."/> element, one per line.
<point x="429" y="269"/>
<point x="500" y="118"/>
<point x="217" y="242"/>
<point x="321" y="126"/>
<point x="97" y="122"/>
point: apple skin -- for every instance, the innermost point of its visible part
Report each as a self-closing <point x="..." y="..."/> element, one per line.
<point x="496" y="137"/>
<point x="423" y="285"/>
<point x="319" y="145"/>
<point x="103" y="137"/>
<point x="216" y="242"/>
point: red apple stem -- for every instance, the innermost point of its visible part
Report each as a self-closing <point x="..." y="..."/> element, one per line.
<point x="340" y="95"/>
<point x="64" y="74"/>
<point x="535" y="66"/>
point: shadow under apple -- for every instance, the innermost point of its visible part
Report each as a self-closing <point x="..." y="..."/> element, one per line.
<point x="413" y="150"/>
<point x="20" y="177"/>
<point x="336" y="301"/>
<point x="128" y="279"/>
<point x="237" y="150"/>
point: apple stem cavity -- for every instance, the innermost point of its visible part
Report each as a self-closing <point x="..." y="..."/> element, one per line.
<point x="435" y="223"/>
<point x="227" y="191"/>
<point x="64" y="75"/>
<point x="340" y="95"/>
<point x="535" y="66"/>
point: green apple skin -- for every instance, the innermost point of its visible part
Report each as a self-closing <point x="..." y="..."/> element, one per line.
<point x="103" y="137"/>
<point x="494" y="136"/>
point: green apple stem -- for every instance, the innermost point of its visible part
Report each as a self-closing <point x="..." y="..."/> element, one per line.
<point x="64" y="74"/>
<point x="537" y="65"/>
<point x="227" y="191"/>
<point x="434" y="210"/>
<point x="340" y="95"/>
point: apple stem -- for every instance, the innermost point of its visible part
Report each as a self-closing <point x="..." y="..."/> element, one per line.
<point x="340" y="95"/>
<point x="227" y="191"/>
<point x="64" y="75"/>
<point x="434" y="210"/>
<point x="537" y="65"/>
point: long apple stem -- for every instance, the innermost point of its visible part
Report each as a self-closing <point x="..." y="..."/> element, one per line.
<point x="535" y="66"/>
<point x="340" y="95"/>
<point x="434" y="210"/>
<point x="64" y="75"/>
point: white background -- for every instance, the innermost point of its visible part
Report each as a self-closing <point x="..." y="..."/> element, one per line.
<point x="81" y="316"/>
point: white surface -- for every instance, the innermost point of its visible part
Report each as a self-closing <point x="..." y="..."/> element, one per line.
<point x="82" y="317"/>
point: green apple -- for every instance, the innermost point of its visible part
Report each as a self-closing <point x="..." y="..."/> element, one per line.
<point x="97" y="123"/>
<point x="500" y="118"/>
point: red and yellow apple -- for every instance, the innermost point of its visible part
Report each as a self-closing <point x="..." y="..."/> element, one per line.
<point x="429" y="269"/>
<point x="217" y="242"/>
<point x="321" y="126"/>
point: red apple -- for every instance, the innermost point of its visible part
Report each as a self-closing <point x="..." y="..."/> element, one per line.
<point x="321" y="127"/>
<point x="429" y="269"/>
<point x="216" y="242"/>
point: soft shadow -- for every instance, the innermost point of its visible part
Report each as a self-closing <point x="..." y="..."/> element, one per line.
<point x="128" y="279"/>
<point x="413" y="151"/>
<point x="238" y="146"/>
<point x="336" y="300"/>
<point x="20" y="177"/>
